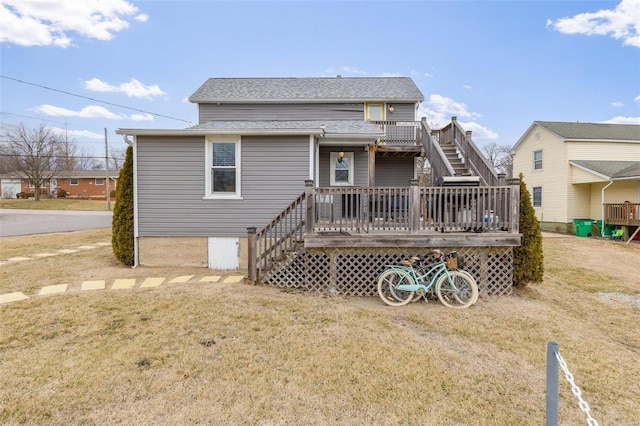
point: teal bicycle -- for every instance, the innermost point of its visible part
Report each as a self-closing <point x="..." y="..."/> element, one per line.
<point x="417" y="277"/>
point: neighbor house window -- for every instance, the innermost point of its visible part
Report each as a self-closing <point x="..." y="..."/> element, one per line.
<point x="341" y="169"/>
<point x="537" y="160"/>
<point x="223" y="167"/>
<point x="537" y="196"/>
<point x="73" y="181"/>
<point x="43" y="184"/>
<point x="99" y="181"/>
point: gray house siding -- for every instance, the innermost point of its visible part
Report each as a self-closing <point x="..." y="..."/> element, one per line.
<point x="360" y="159"/>
<point x="171" y="185"/>
<point x="394" y="171"/>
<point x="258" y="112"/>
<point x="402" y="112"/>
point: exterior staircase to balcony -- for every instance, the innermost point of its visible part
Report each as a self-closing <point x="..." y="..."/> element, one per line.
<point x="451" y="152"/>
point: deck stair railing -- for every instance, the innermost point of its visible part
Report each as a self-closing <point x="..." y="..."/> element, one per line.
<point x="281" y="235"/>
<point x="440" y="165"/>
<point x="476" y="162"/>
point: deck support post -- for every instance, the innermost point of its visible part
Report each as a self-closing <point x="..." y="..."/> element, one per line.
<point x="252" y="256"/>
<point x="309" y="190"/>
<point x="414" y="206"/>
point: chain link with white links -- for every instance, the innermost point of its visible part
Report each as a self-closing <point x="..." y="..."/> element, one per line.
<point x="576" y="391"/>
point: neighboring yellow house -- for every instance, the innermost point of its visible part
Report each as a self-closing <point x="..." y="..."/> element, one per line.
<point x="579" y="170"/>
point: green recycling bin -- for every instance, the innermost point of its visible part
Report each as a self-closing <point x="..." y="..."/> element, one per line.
<point x="583" y="227"/>
<point x="608" y="229"/>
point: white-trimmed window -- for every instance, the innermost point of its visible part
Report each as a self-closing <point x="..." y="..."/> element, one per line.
<point x="73" y="181"/>
<point x="341" y="169"/>
<point x="222" y="167"/>
<point x="43" y="184"/>
<point x="537" y="196"/>
<point x="99" y="181"/>
<point x="537" y="160"/>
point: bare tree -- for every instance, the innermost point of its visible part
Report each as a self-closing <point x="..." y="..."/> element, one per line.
<point x="31" y="153"/>
<point x="500" y="157"/>
<point x="71" y="157"/>
<point x="116" y="158"/>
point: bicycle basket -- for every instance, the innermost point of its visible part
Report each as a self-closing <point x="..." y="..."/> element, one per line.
<point x="452" y="262"/>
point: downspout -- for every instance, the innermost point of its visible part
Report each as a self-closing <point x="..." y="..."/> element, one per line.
<point x="602" y="204"/>
<point x="136" y="255"/>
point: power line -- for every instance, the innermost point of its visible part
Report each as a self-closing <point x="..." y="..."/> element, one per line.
<point x="94" y="99"/>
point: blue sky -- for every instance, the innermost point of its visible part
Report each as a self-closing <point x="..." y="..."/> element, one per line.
<point x="496" y="65"/>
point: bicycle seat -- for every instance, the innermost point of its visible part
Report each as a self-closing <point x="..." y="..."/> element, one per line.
<point x="410" y="261"/>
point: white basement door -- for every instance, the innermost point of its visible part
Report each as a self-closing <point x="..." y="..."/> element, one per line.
<point x="224" y="253"/>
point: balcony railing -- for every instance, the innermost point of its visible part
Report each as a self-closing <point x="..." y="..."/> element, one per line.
<point x="413" y="209"/>
<point x="401" y="132"/>
<point x="622" y="214"/>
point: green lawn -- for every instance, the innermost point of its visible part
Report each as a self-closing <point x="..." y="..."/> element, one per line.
<point x="55" y="204"/>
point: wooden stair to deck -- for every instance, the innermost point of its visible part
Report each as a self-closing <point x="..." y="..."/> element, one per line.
<point x="454" y="159"/>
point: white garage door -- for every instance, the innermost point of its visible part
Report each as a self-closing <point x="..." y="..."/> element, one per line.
<point x="10" y="187"/>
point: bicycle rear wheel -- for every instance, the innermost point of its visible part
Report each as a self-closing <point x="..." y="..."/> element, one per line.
<point x="462" y="271"/>
<point x="387" y="288"/>
<point x="457" y="290"/>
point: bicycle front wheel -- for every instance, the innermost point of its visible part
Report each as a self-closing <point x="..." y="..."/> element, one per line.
<point x="457" y="290"/>
<point x="387" y="288"/>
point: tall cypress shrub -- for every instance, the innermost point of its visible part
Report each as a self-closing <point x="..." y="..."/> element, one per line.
<point x="122" y="224"/>
<point x="528" y="259"/>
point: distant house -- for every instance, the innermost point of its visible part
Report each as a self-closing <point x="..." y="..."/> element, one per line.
<point x="312" y="182"/>
<point x="581" y="171"/>
<point x="77" y="184"/>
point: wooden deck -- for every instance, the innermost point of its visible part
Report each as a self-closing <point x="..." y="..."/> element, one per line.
<point x="622" y="214"/>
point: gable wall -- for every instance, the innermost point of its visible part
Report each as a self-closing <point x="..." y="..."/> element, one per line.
<point x="553" y="177"/>
<point x="171" y="185"/>
<point x="605" y="151"/>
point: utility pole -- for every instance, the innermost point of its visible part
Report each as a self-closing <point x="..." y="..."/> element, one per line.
<point x="106" y="163"/>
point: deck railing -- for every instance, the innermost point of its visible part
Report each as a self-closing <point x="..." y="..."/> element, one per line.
<point x="412" y="209"/>
<point x="622" y="214"/>
<point x="400" y="132"/>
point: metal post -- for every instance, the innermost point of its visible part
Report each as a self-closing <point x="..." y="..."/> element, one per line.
<point x="106" y="166"/>
<point x="552" y="384"/>
<point x="252" y="255"/>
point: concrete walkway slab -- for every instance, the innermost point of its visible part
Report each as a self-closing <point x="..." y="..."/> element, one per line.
<point x="102" y="244"/>
<point x="210" y="279"/>
<point x="233" y="279"/>
<point x="53" y="289"/>
<point x="123" y="283"/>
<point x="93" y="285"/>
<point x="181" y="279"/>
<point x="46" y="254"/>
<point x="152" y="282"/>
<point x="87" y="247"/>
<point x="12" y="297"/>
<point x="67" y="251"/>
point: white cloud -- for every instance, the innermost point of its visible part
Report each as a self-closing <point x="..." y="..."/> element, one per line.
<point x="142" y="17"/>
<point x="391" y="74"/>
<point x="636" y="99"/>
<point x="439" y="109"/>
<point x="466" y="86"/>
<point x="623" y="23"/>
<point x="92" y="111"/>
<point x="46" y="23"/>
<point x="133" y="88"/>
<point x="623" y="120"/>
<point x="353" y="71"/>
<point x="617" y="104"/>
<point x="85" y="134"/>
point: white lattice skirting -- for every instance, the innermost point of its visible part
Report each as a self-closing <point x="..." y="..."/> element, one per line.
<point x="354" y="271"/>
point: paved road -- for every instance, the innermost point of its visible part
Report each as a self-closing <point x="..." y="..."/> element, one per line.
<point x="27" y="222"/>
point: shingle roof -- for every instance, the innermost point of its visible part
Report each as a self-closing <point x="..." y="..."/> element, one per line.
<point x="316" y="89"/>
<point x="69" y="174"/>
<point x="351" y="127"/>
<point x="611" y="169"/>
<point x="595" y="131"/>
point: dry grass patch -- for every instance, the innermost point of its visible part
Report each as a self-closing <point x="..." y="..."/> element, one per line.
<point x="235" y="354"/>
